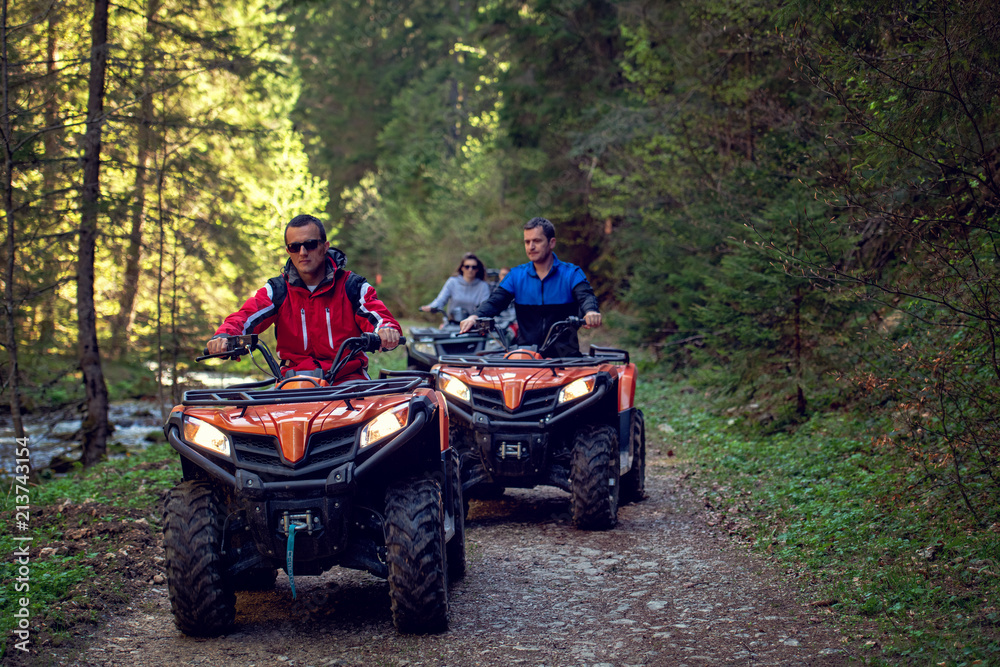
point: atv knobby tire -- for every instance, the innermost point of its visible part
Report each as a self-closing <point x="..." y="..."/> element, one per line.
<point x="418" y="589"/>
<point x="203" y="602"/>
<point x="633" y="487"/>
<point x="593" y="478"/>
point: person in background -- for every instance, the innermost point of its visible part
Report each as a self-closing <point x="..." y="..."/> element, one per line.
<point x="314" y="305"/>
<point x="544" y="290"/>
<point x="466" y="289"/>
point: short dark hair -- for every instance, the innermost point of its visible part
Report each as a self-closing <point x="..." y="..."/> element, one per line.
<point x="547" y="227"/>
<point x="480" y="268"/>
<point x="302" y="221"/>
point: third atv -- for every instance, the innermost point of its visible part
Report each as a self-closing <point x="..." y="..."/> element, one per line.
<point x="427" y="344"/>
<point x="521" y="420"/>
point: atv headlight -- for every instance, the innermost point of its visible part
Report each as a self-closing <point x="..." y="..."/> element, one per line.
<point x="205" y="435"/>
<point x="452" y="385"/>
<point x="426" y="349"/>
<point x="385" y="425"/>
<point x="576" y="389"/>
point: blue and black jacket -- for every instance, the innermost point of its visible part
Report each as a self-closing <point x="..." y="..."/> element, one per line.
<point x="539" y="303"/>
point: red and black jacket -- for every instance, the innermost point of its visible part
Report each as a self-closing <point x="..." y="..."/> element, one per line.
<point x="310" y="326"/>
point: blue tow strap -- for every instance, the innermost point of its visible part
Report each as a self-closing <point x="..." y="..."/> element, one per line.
<point x="289" y="556"/>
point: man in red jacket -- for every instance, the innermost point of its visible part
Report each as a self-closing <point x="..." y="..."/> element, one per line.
<point x="314" y="305"/>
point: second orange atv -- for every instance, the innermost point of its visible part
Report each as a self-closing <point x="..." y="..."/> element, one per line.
<point x="521" y="420"/>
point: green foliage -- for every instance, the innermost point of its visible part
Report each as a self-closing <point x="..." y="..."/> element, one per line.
<point x="132" y="483"/>
<point x="851" y="516"/>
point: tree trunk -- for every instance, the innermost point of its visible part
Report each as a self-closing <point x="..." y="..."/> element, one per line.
<point x="122" y="325"/>
<point x="46" y="327"/>
<point x="95" y="425"/>
<point x="10" y="305"/>
<point x="159" y="293"/>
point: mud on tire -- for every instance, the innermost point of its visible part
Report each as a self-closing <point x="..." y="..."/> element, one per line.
<point x="416" y="553"/>
<point x="593" y="478"/>
<point x="633" y="487"/>
<point x="203" y="603"/>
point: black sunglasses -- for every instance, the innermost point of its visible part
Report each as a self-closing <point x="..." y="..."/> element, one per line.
<point x="470" y="266"/>
<point x="310" y="245"/>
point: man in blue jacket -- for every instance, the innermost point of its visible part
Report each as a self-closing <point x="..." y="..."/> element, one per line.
<point x="544" y="290"/>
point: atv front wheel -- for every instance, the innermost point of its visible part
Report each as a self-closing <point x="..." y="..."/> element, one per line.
<point x="204" y="604"/>
<point x="414" y="515"/>
<point x="593" y="478"/>
<point x="634" y="481"/>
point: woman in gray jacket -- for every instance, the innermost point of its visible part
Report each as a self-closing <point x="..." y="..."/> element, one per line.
<point x="466" y="290"/>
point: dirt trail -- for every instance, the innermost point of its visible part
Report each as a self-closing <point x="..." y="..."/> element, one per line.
<point x="660" y="589"/>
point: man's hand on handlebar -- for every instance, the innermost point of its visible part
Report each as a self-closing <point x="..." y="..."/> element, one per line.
<point x="592" y="320"/>
<point x="467" y="324"/>
<point x="390" y="338"/>
<point x="217" y="345"/>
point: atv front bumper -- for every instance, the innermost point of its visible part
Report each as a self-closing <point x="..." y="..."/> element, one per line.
<point x="523" y="452"/>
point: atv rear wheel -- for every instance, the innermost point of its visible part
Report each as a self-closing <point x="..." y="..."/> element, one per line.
<point x="593" y="478"/>
<point x="416" y="553"/>
<point x="634" y="481"/>
<point x="203" y="602"/>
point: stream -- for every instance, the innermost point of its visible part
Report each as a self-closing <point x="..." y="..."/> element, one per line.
<point x="135" y="424"/>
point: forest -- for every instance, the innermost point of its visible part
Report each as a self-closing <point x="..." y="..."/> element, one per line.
<point x="793" y="204"/>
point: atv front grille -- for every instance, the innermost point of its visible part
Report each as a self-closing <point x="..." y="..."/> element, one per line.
<point x="330" y="445"/>
<point x="534" y="402"/>
<point x="262" y="454"/>
<point x="259" y="449"/>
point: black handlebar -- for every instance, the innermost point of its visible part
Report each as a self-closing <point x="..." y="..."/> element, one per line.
<point x="238" y="346"/>
<point x="571" y="322"/>
<point x="486" y="325"/>
<point x="368" y="342"/>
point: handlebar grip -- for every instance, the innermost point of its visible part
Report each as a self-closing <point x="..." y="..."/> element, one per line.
<point x="372" y="342"/>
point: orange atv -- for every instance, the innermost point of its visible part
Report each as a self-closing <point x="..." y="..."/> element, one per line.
<point x="303" y="474"/>
<point x="521" y="420"/>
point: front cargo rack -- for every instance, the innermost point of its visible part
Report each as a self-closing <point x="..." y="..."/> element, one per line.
<point x="597" y="355"/>
<point x="346" y="391"/>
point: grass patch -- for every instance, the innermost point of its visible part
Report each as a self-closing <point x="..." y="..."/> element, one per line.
<point x="95" y="539"/>
<point x="849" y="517"/>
